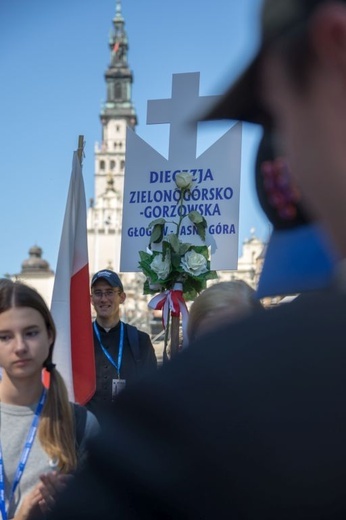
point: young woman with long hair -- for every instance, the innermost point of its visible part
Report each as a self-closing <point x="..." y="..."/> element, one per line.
<point x="39" y="445"/>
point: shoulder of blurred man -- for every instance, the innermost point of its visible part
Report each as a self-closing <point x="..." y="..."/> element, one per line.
<point x="250" y="420"/>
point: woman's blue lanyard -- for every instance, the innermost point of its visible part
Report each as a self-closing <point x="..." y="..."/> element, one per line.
<point x="120" y="351"/>
<point x="23" y="458"/>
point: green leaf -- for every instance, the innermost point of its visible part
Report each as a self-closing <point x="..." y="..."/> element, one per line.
<point x="157" y="222"/>
<point x="166" y="249"/>
<point x="190" y="294"/>
<point x="175" y="259"/>
<point x="157" y="234"/>
<point x="200" y="223"/>
<point x="202" y="250"/>
<point x="184" y="248"/>
<point x="174" y="241"/>
<point x="147" y="271"/>
<point x="196" y="217"/>
<point x="200" y="231"/>
<point x="192" y="287"/>
<point x="211" y="275"/>
<point x="144" y="256"/>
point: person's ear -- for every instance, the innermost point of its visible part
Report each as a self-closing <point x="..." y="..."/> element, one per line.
<point x="122" y="297"/>
<point x="327" y="31"/>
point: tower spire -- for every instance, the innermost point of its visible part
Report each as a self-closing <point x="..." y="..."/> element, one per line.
<point x="118" y="41"/>
<point x="118" y="8"/>
<point x="118" y="76"/>
<point x="117" y="113"/>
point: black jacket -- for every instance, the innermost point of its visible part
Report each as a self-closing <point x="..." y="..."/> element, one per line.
<point x="247" y="423"/>
<point x="138" y="360"/>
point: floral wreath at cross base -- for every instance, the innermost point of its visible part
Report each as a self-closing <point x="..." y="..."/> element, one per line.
<point x="180" y="270"/>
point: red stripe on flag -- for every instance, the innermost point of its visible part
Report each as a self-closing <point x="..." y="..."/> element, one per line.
<point x="82" y="351"/>
<point x="71" y="299"/>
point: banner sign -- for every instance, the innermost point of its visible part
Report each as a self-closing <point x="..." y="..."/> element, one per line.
<point x="150" y="191"/>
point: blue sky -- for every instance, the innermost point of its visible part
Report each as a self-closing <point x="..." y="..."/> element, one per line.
<point x="52" y="63"/>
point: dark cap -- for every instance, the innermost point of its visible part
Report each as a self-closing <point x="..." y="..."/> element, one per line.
<point x="241" y="101"/>
<point x="109" y="276"/>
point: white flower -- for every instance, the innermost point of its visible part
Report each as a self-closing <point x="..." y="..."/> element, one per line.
<point x="183" y="180"/>
<point x="161" y="267"/>
<point x="194" y="263"/>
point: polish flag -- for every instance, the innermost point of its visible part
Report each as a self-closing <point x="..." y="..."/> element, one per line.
<point x="74" y="349"/>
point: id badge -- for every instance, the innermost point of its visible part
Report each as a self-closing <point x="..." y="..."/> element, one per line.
<point x="117" y="386"/>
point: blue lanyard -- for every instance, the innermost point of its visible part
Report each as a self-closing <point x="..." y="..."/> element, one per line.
<point x="121" y="347"/>
<point x="23" y="458"/>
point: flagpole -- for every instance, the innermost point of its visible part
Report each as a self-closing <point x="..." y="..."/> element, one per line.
<point x="174" y="336"/>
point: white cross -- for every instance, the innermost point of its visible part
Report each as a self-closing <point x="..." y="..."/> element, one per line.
<point x="181" y="112"/>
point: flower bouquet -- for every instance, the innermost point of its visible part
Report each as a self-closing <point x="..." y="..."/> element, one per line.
<point x="178" y="269"/>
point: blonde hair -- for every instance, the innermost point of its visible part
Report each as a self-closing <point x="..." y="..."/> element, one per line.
<point x="235" y="296"/>
<point x="56" y="430"/>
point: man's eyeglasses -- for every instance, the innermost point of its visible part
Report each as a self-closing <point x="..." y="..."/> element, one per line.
<point x="108" y="294"/>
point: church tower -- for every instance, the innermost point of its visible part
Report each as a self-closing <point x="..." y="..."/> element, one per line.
<point x="105" y="213"/>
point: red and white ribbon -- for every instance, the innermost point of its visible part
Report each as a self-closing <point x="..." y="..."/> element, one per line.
<point x="172" y="301"/>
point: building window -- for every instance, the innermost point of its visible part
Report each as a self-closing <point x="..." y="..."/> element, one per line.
<point x="102" y="165"/>
<point x="117" y="90"/>
<point x="122" y="165"/>
<point x="112" y="165"/>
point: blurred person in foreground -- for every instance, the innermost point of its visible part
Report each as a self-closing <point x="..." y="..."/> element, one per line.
<point x="223" y="302"/>
<point x="256" y="428"/>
